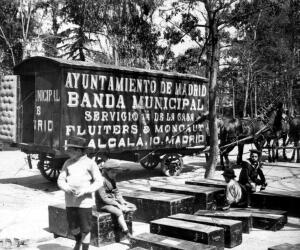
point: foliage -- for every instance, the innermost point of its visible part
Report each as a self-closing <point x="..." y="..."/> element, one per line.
<point x="264" y="50"/>
<point x="126" y="27"/>
<point x="17" y="28"/>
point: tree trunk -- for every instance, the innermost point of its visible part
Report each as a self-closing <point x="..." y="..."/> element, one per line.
<point x="255" y="98"/>
<point x="233" y="101"/>
<point x="246" y="94"/>
<point x="214" y="67"/>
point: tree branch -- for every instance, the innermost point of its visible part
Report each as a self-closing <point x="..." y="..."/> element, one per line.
<point x="9" y="46"/>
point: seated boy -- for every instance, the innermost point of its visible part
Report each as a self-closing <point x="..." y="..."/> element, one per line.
<point x="108" y="197"/>
<point x="235" y="193"/>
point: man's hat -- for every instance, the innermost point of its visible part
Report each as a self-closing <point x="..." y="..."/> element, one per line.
<point x="229" y="172"/>
<point x="255" y="151"/>
<point x="76" y="142"/>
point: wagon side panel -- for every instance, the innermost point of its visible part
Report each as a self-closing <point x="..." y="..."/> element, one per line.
<point x="119" y="110"/>
<point x="47" y="120"/>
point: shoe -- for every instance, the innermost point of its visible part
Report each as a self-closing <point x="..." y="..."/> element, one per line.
<point x="128" y="235"/>
<point x="225" y="208"/>
<point x="263" y="186"/>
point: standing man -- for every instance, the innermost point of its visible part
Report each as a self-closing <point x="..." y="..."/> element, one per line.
<point x="79" y="178"/>
<point x="251" y="174"/>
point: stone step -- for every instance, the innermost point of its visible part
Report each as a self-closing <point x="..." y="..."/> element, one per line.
<point x="161" y="242"/>
<point x="280" y="200"/>
<point x="208" y="183"/>
<point x="186" y="230"/>
<point x="244" y="217"/>
<point x="205" y="197"/>
<point x="265" y="219"/>
<point x="154" y="205"/>
<point x="105" y="229"/>
<point x="232" y="228"/>
<point x="285" y="246"/>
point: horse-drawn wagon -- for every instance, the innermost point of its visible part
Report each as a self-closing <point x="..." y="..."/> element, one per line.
<point x="131" y="114"/>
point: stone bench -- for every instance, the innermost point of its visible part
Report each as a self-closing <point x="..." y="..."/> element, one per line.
<point x="154" y="205"/>
<point x="161" y="242"/>
<point x="200" y="233"/>
<point x="205" y="197"/>
<point x="105" y="229"/>
<point x="280" y="200"/>
<point x="244" y="217"/>
<point x="208" y="183"/>
<point x="285" y="246"/>
<point x="266" y="219"/>
<point x="232" y="228"/>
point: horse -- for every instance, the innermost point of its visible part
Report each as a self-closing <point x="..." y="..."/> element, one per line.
<point x="294" y="136"/>
<point x="272" y="140"/>
<point x="245" y="131"/>
<point x="237" y="132"/>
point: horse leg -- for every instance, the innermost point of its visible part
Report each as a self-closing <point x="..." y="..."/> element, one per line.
<point x="269" y="150"/>
<point x="276" y="145"/>
<point x="240" y="154"/>
<point x="222" y="159"/>
<point x="284" y="143"/>
<point x="224" y="155"/>
<point x="259" y="144"/>
<point x="298" y="152"/>
<point x="294" y="151"/>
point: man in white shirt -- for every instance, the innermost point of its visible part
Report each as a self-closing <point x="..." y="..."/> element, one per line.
<point x="234" y="191"/>
<point x="79" y="178"/>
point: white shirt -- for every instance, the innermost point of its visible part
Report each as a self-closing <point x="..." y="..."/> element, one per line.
<point x="233" y="192"/>
<point x="78" y="175"/>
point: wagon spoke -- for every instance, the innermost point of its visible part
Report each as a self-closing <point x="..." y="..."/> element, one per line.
<point x="50" y="167"/>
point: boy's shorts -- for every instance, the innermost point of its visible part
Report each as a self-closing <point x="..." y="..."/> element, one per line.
<point x="79" y="218"/>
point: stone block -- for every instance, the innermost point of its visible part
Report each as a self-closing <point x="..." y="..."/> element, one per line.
<point x="190" y="231"/>
<point x="244" y="217"/>
<point x="154" y="205"/>
<point x="208" y="183"/>
<point x="232" y="228"/>
<point x="280" y="200"/>
<point x="105" y="229"/>
<point x="266" y="219"/>
<point x="161" y="242"/>
<point x="285" y="246"/>
<point x="205" y="197"/>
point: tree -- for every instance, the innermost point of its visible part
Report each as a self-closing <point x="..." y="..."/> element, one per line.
<point x="16" y="30"/>
<point x="51" y="9"/>
<point x="263" y="50"/>
<point x="212" y="16"/>
<point x="125" y="28"/>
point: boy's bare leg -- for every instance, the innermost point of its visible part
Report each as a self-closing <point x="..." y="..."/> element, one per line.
<point x="86" y="238"/>
<point x="122" y="223"/>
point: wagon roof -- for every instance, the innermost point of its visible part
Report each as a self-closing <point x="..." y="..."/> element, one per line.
<point x="98" y="66"/>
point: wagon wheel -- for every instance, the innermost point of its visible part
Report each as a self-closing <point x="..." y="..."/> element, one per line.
<point x="50" y="167"/>
<point x="172" y="164"/>
<point x="150" y="162"/>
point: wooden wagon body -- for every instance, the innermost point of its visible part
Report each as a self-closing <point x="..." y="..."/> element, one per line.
<point x="126" y="112"/>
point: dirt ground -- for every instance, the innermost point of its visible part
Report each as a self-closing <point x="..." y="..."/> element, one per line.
<point x="25" y="196"/>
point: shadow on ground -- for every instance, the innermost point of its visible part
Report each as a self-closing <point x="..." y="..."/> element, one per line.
<point x="35" y="182"/>
<point x="51" y="246"/>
